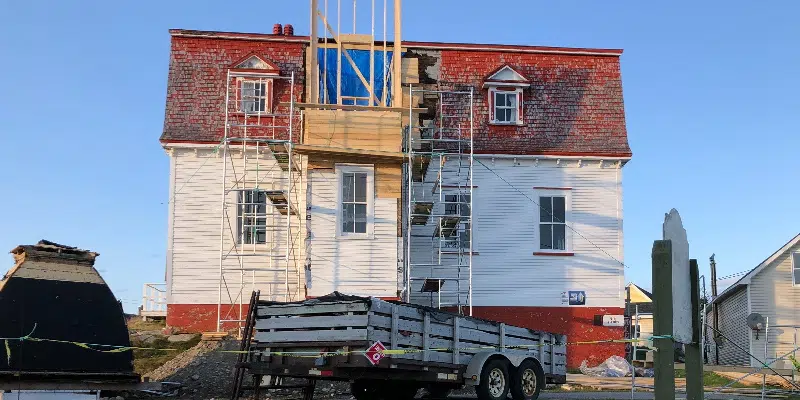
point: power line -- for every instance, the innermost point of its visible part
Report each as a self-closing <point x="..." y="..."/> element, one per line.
<point x="554" y="217"/>
<point x="733" y="275"/>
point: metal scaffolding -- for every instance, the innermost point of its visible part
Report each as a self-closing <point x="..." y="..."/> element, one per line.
<point x="261" y="215"/>
<point x="438" y="184"/>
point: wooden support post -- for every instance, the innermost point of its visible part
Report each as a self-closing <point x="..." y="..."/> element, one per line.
<point x="664" y="363"/>
<point x="694" y="355"/>
<point x="397" y="74"/>
<point x="313" y="75"/>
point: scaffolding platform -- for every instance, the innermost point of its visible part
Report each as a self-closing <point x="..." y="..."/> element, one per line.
<point x="281" y="203"/>
<point x="421" y="213"/>
<point x="448" y="226"/>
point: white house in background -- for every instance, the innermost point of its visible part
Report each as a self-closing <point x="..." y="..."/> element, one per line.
<point x="771" y="289"/>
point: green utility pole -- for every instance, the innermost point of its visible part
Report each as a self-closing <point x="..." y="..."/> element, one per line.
<point x="664" y="358"/>
<point x="694" y="354"/>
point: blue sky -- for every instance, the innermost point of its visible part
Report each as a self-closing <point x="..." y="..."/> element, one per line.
<point x="711" y="96"/>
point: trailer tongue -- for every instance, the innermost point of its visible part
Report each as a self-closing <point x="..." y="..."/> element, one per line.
<point x="392" y="349"/>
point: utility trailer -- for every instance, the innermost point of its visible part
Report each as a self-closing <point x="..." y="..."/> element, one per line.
<point x="339" y="337"/>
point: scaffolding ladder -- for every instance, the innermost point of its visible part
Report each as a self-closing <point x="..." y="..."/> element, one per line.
<point x="438" y="183"/>
<point x="260" y="211"/>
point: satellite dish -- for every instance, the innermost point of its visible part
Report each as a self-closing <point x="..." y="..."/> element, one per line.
<point x="756" y="322"/>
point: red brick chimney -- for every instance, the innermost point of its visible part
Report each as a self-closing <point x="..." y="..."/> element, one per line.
<point x="276" y="29"/>
<point x="288" y="30"/>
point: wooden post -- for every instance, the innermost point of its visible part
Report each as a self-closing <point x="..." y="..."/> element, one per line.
<point x="694" y="355"/>
<point x="664" y="363"/>
<point x="312" y="78"/>
<point x="397" y="85"/>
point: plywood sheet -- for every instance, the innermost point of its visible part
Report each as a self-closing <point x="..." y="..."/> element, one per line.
<point x="367" y="130"/>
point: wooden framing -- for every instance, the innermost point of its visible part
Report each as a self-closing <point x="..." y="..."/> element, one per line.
<point x="345" y="41"/>
<point x="365" y="130"/>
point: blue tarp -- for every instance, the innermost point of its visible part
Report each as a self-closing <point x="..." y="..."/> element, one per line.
<point x="351" y="84"/>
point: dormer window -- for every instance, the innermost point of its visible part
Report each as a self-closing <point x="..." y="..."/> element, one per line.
<point x="254" y="84"/>
<point x="505" y="89"/>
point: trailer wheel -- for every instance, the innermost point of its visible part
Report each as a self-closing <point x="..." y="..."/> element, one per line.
<point x="494" y="380"/>
<point x="364" y="390"/>
<point x="527" y="381"/>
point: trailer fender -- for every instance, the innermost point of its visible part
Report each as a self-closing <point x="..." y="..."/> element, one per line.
<point x="472" y="375"/>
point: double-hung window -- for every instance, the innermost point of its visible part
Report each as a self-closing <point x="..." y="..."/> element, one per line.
<point x="252" y="217"/>
<point x="553" y="216"/>
<point x="796" y="268"/>
<point x="356" y="200"/>
<point x="254" y="98"/>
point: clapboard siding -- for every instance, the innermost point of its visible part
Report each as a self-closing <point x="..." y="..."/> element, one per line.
<point x="365" y="267"/>
<point x="733" y="324"/>
<point x="195" y="231"/>
<point x="505" y="233"/>
<point x="772" y="295"/>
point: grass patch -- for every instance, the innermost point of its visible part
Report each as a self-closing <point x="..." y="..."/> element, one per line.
<point x="137" y="324"/>
<point x="711" y="379"/>
<point x="146" y="360"/>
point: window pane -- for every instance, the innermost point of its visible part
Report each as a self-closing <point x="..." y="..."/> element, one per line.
<point x="545" y="209"/>
<point x="545" y="236"/>
<point x="465" y="211"/>
<point x="499" y="99"/>
<point x="512" y="100"/>
<point x="360" y="218"/>
<point x="512" y="115"/>
<point x="361" y="187"/>
<point x="509" y="113"/>
<point x="348" y="217"/>
<point x="796" y="266"/>
<point x="348" y="181"/>
<point x="261" y="105"/>
<point x="559" y="209"/>
<point x="559" y="237"/>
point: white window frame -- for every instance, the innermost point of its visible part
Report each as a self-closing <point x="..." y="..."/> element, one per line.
<point x="794" y="266"/>
<point x="268" y="85"/>
<point x="567" y="194"/>
<point x="493" y="101"/>
<point x="369" y="169"/>
<point x="240" y="206"/>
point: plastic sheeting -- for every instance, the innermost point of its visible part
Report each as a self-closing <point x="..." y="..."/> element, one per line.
<point x="351" y="84"/>
<point x="614" y="366"/>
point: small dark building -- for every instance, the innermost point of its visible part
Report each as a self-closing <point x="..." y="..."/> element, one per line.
<point x="55" y="296"/>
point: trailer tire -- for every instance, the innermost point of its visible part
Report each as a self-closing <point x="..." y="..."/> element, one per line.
<point x="494" y="380"/>
<point x="527" y="381"/>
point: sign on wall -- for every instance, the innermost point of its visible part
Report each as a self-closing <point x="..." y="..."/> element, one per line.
<point x="574" y="298"/>
<point x="681" y="283"/>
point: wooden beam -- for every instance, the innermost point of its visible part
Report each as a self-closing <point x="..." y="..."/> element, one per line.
<point x="349" y="107"/>
<point x="313" y="74"/>
<point x="373" y="98"/>
<point x="694" y="355"/>
<point x="397" y="74"/>
<point x="385" y="155"/>
<point x="664" y="358"/>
